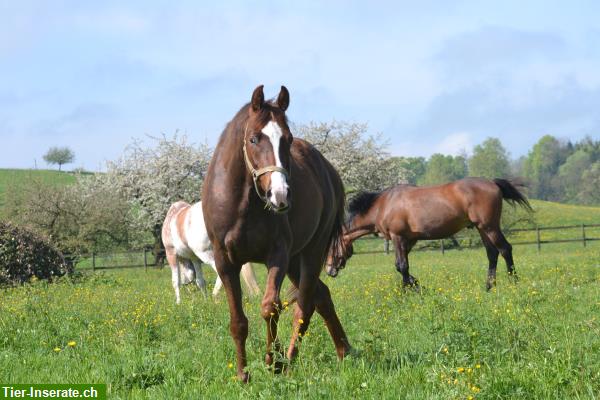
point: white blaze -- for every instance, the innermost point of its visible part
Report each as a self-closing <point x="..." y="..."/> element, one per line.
<point x="279" y="186"/>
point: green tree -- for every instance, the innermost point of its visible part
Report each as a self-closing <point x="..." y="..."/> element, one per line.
<point x="570" y="174"/>
<point x="408" y="169"/>
<point x="60" y="156"/>
<point x="542" y="164"/>
<point x="590" y="185"/>
<point x="489" y="160"/>
<point x="441" y="169"/>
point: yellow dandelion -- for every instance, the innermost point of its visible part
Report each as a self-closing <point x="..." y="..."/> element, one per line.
<point x="300" y="321"/>
<point x="272" y="314"/>
<point x="57" y="349"/>
<point x="445" y="350"/>
<point x="478" y="366"/>
<point x="72" y="343"/>
<point x="460" y="370"/>
<point x="469" y="370"/>
<point x="475" y="389"/>
<point x="455" y="381"/>
<point x="285" y="303"/>
<point x="470" y="397"/>
<point x="230" y="365"/>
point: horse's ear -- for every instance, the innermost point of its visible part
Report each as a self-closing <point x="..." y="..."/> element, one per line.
<point x="258" y="98"/>
<point x="283" y="100"/>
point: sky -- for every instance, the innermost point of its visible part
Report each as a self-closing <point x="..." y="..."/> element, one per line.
<point x="437" y="76"/>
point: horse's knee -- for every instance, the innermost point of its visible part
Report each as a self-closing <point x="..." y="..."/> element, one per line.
<point x="239" y="328"/>
<point x="269" y="308"/>
<point x="399" y="266"/>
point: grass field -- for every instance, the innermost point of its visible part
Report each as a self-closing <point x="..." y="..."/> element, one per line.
<point x="537" y="339"/>
<point x="14" y="179"/>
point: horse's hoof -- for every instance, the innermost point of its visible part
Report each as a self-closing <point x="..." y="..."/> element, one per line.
<point x="244" y="377"/>
<point x="269" y="359"/>
<point x="352" y="352"/>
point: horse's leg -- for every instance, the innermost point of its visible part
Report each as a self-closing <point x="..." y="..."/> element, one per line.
<point x="314" y="294"/>
<point x="403" y="247"/>
<point x="492" y="255"/>
<point x="499" y="241"/>
<point x="200" y="282"/>
<point x="250" y="279"/>
<point x="208" y="258"/>
<point x="326" y="309"/>
<point x="172" y="260"/>
<point x="238" y="323"/>
<point x="271" y="303"/>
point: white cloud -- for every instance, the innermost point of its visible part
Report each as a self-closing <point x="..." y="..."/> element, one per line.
<point x="454" y="144"/>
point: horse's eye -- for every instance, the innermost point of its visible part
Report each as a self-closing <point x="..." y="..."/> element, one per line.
<point x="253" y="140"/>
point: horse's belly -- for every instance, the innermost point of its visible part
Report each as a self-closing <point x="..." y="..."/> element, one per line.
<point x="436" y="228"/>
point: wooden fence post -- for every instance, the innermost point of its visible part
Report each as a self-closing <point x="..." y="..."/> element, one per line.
<point x="145" y="259"/>
<point x="93" y="261"/>
<point x="386" y="246"/>
<point x="583" y="239"/>
<point x="537" y="233"/>
<point x="442" y="245"/>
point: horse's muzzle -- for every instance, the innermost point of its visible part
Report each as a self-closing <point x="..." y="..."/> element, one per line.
<point x="331" y="271"/>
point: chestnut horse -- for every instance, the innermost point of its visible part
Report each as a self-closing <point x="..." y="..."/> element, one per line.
<point x="405" y="214"/>
<point x="273" y="199"/>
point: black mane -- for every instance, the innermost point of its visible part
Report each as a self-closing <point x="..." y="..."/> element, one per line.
<point x="361" y="203"/>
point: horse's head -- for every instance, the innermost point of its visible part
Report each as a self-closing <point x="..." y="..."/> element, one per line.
<point x="267" y="141"/>
<point x="338" y="255"/>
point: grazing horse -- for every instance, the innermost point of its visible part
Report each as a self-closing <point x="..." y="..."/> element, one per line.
<point x="405" y="214"/>
<point x="187" y="247"/>
<point x="274" y="199"/>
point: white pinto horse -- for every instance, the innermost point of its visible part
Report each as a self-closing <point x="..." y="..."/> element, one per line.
<point x="187" y="247"/>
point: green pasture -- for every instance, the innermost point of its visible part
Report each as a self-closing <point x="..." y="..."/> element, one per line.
<point x="537" y="339"/>
<point x="18" y="179"/>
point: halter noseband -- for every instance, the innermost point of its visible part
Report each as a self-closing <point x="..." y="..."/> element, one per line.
<point x="256" y="173"/>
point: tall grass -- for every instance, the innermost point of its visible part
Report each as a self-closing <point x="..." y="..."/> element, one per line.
<point x="537" y="339"/>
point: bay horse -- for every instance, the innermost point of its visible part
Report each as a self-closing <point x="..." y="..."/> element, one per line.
<point x="405" y="214"/>
<point x="271" y="198"/>
<point x="187" y="247"/>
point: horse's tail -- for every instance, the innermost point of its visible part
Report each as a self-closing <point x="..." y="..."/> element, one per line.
<point x="511" y="193"/>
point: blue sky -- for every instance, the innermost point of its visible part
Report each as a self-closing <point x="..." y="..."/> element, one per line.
<point x="440" y="76"/>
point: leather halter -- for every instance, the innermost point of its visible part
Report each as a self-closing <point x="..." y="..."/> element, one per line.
<point x="256" y="173"/>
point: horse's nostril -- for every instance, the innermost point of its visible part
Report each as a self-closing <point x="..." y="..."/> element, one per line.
<point x="281" y="205"/>
<point x="269" y="193"/>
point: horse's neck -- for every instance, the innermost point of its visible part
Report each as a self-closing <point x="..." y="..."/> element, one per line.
<point x="237" y="181"/>
<point x="361" y="225"/>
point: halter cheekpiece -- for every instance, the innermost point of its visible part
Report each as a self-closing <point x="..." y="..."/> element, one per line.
<point x="256" y="173"/>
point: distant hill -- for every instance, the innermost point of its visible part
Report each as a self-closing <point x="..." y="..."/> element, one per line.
<point x="13" y="179"/>
<point x="547" y="213"/>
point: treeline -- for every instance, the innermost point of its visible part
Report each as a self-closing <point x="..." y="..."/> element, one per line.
<point x="554" y="170"/>
<point x="124" y="207"/>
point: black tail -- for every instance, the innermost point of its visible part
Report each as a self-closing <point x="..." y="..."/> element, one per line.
<point x="511" y="194"/>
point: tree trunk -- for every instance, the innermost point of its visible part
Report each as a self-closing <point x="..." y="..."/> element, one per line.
<point x="158" y="249"/>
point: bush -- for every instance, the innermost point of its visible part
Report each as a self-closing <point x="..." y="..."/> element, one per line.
<point x="24" y="255"/>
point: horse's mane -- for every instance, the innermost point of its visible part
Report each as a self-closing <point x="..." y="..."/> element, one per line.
<point x="361" y="203"/>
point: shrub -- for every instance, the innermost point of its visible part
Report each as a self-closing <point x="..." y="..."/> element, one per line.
<point x="24" y="255"/>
